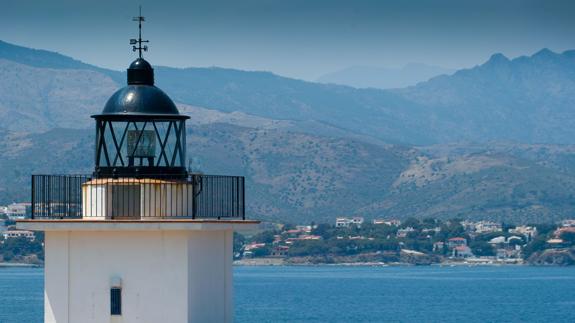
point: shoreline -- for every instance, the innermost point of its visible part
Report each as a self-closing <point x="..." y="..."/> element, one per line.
<point x="18" y="265"/>
<point x="266" y="262"/>
<point x="283" y="262"/>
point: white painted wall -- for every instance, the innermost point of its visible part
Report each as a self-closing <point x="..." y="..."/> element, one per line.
<point x="167" y="275"/>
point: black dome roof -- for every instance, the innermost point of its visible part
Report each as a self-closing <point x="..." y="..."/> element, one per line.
<point x="140" y="63"/>
<point x="140" y="98"/>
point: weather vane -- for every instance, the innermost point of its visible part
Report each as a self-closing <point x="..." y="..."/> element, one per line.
<point x="139" y="41"/>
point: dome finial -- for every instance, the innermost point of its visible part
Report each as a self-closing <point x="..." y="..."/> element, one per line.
<point x="139" y="41"/>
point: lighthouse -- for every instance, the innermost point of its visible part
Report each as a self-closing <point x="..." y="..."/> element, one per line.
<point x="140" y="239"/>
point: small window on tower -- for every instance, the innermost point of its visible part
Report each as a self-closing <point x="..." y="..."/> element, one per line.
<point x="116" y="301"/>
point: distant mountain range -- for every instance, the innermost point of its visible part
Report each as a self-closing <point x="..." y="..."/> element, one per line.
<point x="527" y="99"/>
<point x="495" y="141"/>
<point x="383" y="77"/>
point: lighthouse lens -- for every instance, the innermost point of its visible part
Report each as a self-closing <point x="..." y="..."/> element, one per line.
<point x="141" y="143"/>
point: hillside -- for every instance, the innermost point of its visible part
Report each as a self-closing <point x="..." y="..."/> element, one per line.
<point x="382" y="77"/>
<point x="289" y="175"/>
<point x="528" y="99"/>
<point x="311" y="152"/>
<point x="36" y="99"/>
<point x="498" y="187"/>
<point x="298" y="177"/>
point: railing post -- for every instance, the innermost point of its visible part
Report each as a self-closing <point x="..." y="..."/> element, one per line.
<point x="33" y="206"/>
<point x="194" y="183"/>
<point x="237" y="204"/>
<point x="243" y="198"/>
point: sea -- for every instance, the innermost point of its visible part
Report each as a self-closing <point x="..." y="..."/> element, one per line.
<point x="362" y="294"/>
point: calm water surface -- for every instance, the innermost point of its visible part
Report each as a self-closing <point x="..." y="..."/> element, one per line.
<point x="361" y="294"/>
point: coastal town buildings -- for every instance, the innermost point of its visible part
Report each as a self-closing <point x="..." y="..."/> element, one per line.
<point x="402" y="233"/>
<point x="500" y="240"/>
<point x="304" y="228"/>
<point x="564" y="229"/>
<point x="488" y="227"/>
<point x="456" y="242"/>
<point x="344" y="222"/>
<point x="438" y="246"/>
<point x="507" y="247"/>
<point x="481" y="227"/>
<point x="250" y="249"/>
<point x="558" y="234"/>
<point x="391" y="222"/>
<point x="302" y="237"/>
<point x="279" y="251"/>
<point x="513" y="252"/>
<point x="431" y="230"/>
<point x="529" y="232"/>
<point x="16" y="211"/>
<point x="556" y="243"/>
<point x="461" y="252"/>
<point x="11" y="234"/>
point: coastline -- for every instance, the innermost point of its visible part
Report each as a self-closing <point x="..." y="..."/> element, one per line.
<point x="18" y="264"/>
<point x="266" y="262"/>
<point x="286" y="262"/>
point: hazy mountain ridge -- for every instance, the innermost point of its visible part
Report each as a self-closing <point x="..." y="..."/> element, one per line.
<point x="527" y="99"/>
<point x="38" y="99"/>
<point x="312" y="152"/>
<point x="382" y="77"/>
<point x="47" y="59"/>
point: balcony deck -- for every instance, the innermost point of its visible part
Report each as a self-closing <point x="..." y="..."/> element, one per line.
<point x="79" y="197"/>
<point x="136" y="225"/>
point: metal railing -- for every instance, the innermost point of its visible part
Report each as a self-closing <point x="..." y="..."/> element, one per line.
<point x="80" y="196"/>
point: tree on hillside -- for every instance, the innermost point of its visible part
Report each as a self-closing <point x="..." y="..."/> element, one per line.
<point x="19" y="247"/>
<point x="324" y="230"/>
<point x="536" y="245"/>
<point x="411" y="222"/>
<point x="288" y="226"/>
<point x="568" y="237"/>
<point x="451" y="229"/>
<point x="239" y="241"/>
<point x="429" y="223"/>
<point x="264" y="237"/>
<point x="481" y="248"/>
<point x="545" y="228"/>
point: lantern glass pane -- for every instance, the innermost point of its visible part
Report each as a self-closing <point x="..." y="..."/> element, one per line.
<point x="141" y="143"/>
<point x="152" y="143"/>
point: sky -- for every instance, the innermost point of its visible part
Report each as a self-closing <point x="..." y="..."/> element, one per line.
<point x="303" y="39"/>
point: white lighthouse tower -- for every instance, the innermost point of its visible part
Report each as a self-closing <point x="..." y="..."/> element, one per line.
<point x="141" y="239"/>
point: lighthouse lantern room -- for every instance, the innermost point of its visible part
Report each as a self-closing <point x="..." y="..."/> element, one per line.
<point x="141" y="239"/>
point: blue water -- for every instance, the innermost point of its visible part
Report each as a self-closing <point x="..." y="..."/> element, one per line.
<point x="362" y="294"/>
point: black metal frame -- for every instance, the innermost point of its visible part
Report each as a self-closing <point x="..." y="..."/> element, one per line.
<point x="112" y="163"/>
<point x="197" y="196"/>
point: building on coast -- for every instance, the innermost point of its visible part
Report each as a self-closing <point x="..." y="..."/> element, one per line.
<point x="141" y="239"/>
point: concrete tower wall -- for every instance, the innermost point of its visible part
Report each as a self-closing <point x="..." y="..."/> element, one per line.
<point x="165" y="275"/>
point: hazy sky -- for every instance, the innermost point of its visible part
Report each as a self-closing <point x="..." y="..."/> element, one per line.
<point x="297" y="38"/>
